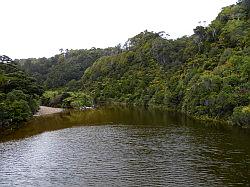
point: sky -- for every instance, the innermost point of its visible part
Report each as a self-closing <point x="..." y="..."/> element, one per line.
<point x="39" y="28"/>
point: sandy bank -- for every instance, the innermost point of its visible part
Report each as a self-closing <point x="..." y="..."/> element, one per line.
<point x="44" y="110"/>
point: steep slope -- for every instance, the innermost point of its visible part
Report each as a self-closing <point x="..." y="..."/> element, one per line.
<point x="205" y="75"/>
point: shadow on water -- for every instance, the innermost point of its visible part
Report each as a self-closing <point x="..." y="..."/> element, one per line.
<point x="108" y="115"/>
<point x="117" y="145"/>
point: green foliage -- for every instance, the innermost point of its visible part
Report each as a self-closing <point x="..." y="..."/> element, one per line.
<point x="205" y="75"/>
<point x="16" y="107"/>
<point x="67" y="99"/>
<point x="16" y="95"/>
<point x="19" y="110"/>
<point x="19" y="95"/>
<point x="241" y="116"/>
<point x="54" y="98"/>
<point x="14" y="78"/>
<point x="78" y="100"/>
<point x="59" y="70"/>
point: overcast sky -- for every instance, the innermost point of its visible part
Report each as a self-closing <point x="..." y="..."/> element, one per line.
<point x="38" y="28"/>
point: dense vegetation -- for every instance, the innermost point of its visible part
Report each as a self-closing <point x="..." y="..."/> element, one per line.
<point x="19" y="95"/>
<point x="63" y="99"/>
<point x="64" y="69"/>
<point x="205" y="75"/>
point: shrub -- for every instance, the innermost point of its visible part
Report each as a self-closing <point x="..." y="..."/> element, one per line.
<point x="241" y="116"/>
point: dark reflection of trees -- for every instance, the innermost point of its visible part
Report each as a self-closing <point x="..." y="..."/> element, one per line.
<point x="213" y="151"/>
<point x="100" y="116"/>
<point x="220" y="151"/>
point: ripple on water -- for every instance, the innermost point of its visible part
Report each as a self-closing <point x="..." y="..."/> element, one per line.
<point x="126" y="155"/>
<point x="111" y="155"/>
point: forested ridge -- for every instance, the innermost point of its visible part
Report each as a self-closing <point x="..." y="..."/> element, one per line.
<point x="205" y="75"/>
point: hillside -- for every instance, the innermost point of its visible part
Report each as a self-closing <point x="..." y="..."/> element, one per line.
<point x="63" y="68"/>
<point x="205" y="75"/>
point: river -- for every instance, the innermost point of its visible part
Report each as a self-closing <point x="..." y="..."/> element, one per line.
<point x="121" y="146"/>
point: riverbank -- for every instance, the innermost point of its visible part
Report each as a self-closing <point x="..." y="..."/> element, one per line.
<point x="9" y="126"/>
<point x="44" y="110"/>
<point x="241" y="121"/>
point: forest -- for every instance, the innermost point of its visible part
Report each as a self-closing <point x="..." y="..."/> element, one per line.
<point x="19" y="95"/>
<point x="205" y="75"/>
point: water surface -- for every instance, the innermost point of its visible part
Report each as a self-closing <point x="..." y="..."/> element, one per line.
<point x="119" y="146"/>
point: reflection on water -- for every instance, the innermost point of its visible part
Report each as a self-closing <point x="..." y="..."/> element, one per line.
<point x="118" y="146"/>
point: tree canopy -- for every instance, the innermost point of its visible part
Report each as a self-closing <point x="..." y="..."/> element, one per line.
<point x="205" y="75"/>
